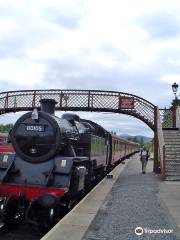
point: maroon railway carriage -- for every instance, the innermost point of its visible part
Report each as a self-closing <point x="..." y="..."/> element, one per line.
<point x="122" y="148"/>
<point x="5" y="146"/>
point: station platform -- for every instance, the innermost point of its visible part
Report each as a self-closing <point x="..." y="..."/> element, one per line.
<point x="117" y="208"/>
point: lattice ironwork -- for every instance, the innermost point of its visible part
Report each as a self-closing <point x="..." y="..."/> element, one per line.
<point x="78" y="100"/>
<point x="167" y="118"/>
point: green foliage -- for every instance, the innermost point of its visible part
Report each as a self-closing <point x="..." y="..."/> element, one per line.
<point x="140" y="140"/>
<point x="129" y="138"/>
<point x="5" y="128"/>
<point x="175" y="102"/>
<point x="148" y="146"/>
<point x="133" y="139"/>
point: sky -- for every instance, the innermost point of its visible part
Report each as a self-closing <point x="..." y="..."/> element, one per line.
<point x="129" y="46"/>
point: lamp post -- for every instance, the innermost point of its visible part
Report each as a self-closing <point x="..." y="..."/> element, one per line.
<point x="175" y="102"/>
<point x="175" y="88"/>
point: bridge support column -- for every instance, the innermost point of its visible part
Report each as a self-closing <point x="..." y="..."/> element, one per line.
<point x="156" y="164"/>
<point x="156" y="147"/>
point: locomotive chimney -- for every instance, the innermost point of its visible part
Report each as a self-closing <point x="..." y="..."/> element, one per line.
<point x="48" y="105"/>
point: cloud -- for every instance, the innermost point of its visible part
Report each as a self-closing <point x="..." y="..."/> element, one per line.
<point x="70" y="73"/>
<point x="161" y="25"/>
<point x="20" y="73"/>
<point x="64" y="19"/>
<point x="128" y="46"/>
<point x="12" y="47"/>
<point x="171" y="78"/>
<point x="67" y="22"/>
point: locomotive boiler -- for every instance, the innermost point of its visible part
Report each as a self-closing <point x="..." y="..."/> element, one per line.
<point x="56" y="160"/>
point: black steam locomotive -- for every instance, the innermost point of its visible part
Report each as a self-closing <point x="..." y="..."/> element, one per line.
<point x="55" y="161"/>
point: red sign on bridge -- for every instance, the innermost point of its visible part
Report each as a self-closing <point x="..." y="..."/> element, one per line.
<point x="126" y="103"/>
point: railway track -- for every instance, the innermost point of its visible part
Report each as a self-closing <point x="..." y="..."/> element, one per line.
<point x="22" y="231"/>
<point x="19" y="232"/>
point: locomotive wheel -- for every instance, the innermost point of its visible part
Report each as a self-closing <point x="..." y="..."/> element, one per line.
<point x="42" y="217"/>
<point x="8" y="209"/>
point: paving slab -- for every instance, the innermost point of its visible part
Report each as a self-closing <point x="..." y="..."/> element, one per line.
<point x="89" y="207"/>
<point x="169" y="193"/>
<point x="79" y="219"/>
<point x="67" y="233"/>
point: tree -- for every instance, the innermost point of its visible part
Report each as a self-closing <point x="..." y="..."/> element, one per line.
<point x="148" y="146"/>
<point x="175" y="102"/>
<point x="142" y="142"/>
<point x="129" y="138"/>
<point x="5" y="128"/>
<point x="135" y="139"/>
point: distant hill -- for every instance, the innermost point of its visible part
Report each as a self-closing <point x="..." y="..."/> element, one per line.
<point x="138" y="137"/>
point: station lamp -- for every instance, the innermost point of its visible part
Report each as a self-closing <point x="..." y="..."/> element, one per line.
<point x="175" y="88"/>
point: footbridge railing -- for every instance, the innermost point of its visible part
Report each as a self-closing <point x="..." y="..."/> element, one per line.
<point x="80" y="100"/>
<point x="168" y="117"/>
